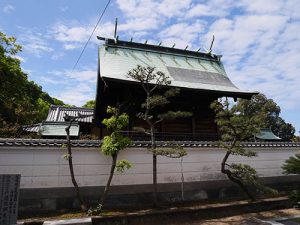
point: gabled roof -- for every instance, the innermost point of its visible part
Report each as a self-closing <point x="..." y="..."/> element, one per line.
<point x="186" y="69"/>
<point x="57" y="113"/>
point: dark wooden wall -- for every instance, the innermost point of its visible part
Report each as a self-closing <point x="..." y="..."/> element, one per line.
<point x="200" y="126"/>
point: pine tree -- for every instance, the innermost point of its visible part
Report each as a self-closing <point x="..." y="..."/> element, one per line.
<point x="151" y="81"/>
<point x="234" y="127"/>
<point x="292" y="166"/>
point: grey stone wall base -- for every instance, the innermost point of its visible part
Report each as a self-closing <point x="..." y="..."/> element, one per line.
<point x="139" y="196"/>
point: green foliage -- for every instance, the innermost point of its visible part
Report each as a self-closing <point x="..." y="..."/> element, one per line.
<point x="97" y="211"/>
<point x="21" y="101"/>
<point x="249" y="175"/>
<point x="269" y="113"/>
<point x="67" y="156"/>
<point x="148" y="76"/>
<point x="294" y="196"/>
<point x="170" y="115"/>
<point x="116" y="122"/>
<point x="292" y="165"/>
<point x="151" y="81"/>
<point x="114" y="143"/>
<point x="123" y="165"/>
<point x="9" y="130"/>
<point x="173" y="152"/>
<point x="90" y="104"/>
<point x="243" y="172"/>
<point x="233" y="123"/>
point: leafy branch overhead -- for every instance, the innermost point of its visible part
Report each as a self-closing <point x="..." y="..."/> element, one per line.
<point x="22" y="101"/>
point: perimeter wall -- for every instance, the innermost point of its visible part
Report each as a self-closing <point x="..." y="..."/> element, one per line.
<point x="46" y="183"/>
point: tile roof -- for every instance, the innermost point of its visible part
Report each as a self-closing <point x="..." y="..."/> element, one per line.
<point x="186" y="69"/>
<point x="32" y="128"/>
<point x="137" y="144"/>
<point x="57" y="113"/>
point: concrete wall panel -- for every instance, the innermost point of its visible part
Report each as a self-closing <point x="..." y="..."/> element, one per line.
<point x="43" y="167"/>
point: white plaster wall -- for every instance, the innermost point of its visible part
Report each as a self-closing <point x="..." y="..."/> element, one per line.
<point x="43" y="167"/>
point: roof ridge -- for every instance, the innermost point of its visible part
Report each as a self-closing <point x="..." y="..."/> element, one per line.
<point x="158" y="48"/>
<point x="69" y="107"/>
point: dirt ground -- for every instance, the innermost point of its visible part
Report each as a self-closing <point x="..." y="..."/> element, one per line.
<point x="248" y="219"/>
<point x="243" y="219"/>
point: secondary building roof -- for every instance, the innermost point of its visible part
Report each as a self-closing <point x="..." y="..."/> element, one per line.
<point x="57" y="113"/>
<point x="267" y="135"/>
<point x="186" y="69"/>
<point x="55" y="123"/>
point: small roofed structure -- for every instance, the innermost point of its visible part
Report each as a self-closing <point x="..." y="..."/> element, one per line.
<point x="266" y="134"/>
<point x="55" y="124"/>
<point x="201" y="78"/>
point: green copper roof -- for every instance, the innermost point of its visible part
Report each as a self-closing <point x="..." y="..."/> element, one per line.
<point x="58" y="129"/>
<point x="186" y="69"/>
<point x="267" y="134"/>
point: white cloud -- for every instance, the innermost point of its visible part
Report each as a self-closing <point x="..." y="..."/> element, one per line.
<point x="51" y="80"/>
<point x="213" y="8"/>
<point x="34" y="43"/>
<point x="262" y="6"/>
<point x="8" y="9"/>
<point x="58" y="55"/>
<point x="169" y="8"/>
<point x="77" y="95"/>
<point x="63" y="8"/>
<point x="147" y="15"/>
<point x="74" y="36"/>
<point x="84" y="75"/>
<point x="78" y="87"/>
<point x="87" y="75"/>
<point x="181" y="33"/>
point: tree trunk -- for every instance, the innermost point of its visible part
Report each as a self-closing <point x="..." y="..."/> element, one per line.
<point x="233" y="179"/>
<point x="112" y="170"/>
<point x="153" y="146"/>
<point x="80" y="199"/>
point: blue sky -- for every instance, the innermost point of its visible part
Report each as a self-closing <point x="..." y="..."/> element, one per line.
<point x="259" y="40"/>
